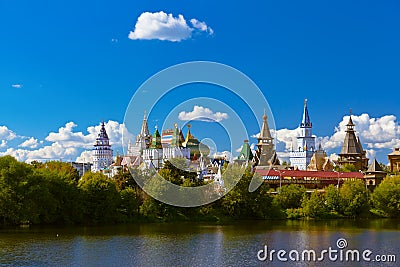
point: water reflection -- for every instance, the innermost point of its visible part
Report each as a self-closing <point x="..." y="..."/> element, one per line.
<point x="192" y="244"/>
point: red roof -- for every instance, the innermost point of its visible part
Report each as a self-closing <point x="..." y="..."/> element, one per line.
<point x="314" y="174"/>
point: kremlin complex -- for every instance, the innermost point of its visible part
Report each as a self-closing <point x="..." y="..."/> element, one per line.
<point x="309" y="164"/>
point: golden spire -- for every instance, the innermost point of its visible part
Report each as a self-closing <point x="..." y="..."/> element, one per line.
<point x="265" y="115"/>
<point x="188" y="135"/>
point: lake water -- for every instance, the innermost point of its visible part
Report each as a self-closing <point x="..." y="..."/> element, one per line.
<point x="195" y="244"/>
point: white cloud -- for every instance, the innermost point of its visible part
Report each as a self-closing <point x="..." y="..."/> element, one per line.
<point x="115" y="131"/>
<point x="16" y="85"/>
<point x="225" y="154"/>
<point x="375" y="133"/>
<point x="69" y="138"/>
<point x="288" y="137"/>
<point x="200" y="113"/>
<point x="283" y="156"/>
<point x="6" y="133"/>
<point x="30" y="143"/>
<point x="333" y="157"/>
<point x="165" y="27"/>
<point x="3" y="144"/>
<point x="55" y="151"/>
<point x="202" y="26"/>
<point x="85" y="156"/>
<point x="66" y="144"/>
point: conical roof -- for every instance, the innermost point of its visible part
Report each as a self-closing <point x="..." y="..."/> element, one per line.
<point x="375" y="167"/>
<point x="396" y="152"/>
<point x="156" y="140"/>
<point x="102" y="138"/>
<point x="176" y="137"/>
<point x="350" y="123"/>
<point x="305" y="122"/>
<point x="103" y="132"/>
<point x="189" y="135"/>
<point x="351" y="144"/>
<point x="245" y="153"/>
<point x="359" y="144"/>
<point x="265" y="132"/>
<point x="144" y="131"/>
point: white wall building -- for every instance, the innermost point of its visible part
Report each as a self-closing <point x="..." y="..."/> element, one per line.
<point x="102" y="152"/>
<point x="301" y="155"/>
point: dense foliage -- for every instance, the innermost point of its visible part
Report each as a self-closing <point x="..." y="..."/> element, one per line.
<point x="53" y="193"/>
<point x="386" y="197"/>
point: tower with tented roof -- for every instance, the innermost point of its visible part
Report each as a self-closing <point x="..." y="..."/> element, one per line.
<point x="266" y="153"/>
<point x="300" y="156"/>
<point x="102" y="152"/>
<point x="352" y="150"/>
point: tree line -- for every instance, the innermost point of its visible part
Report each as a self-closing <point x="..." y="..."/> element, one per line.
<point x="53" y="193"/>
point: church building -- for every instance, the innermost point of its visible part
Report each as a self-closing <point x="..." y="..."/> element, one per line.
<point x="300" y="156"/>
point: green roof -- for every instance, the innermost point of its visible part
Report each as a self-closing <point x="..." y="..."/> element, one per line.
<point x="246" y="153"/>
<point x="176" y="137"/>
<point x="156" y="140"/>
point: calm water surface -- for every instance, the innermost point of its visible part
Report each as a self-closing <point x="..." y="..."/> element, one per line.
<point x="194" y="244"/>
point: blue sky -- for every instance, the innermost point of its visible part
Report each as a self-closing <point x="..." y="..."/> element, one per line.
<point x="72" y="61"/>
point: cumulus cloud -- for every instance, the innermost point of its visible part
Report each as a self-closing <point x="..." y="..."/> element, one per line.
<point x="65" y="144"/>
<point x="7" y="134"/>
<point x="200" y="113"/>
<point x="30" y="143"/>
<point x="55" y="151"/>
<point x="166" y="27"/>
<point x="115" y="131"/>
<point x="16" y="85"/>
<point x="288" y="137"/>
<point x="69" y="138"/>
<point x="376" y="135"/>
<point x="3" y="144"/>
<point x="85" y="156"/>
<point x="334" y="157"/>
<point x="225" y="154"/>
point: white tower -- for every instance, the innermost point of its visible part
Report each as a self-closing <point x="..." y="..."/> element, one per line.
<point x="301" y="155"/>
<point x="102" y="152"/>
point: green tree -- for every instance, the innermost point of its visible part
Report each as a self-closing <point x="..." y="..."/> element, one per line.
<point x="314" y="207"/>
<point x="13" y="176"/>
<point x="65" y="201"/>
<point x="386" y="197"/>
<point x="290" y="196"/>
<point x="130" y="204"/>
<point x="125" y="179"/>
<point x="100" y="198"/>
<point x="63" y="168"/>
<point x="177" y="170"/>
<point x="240" y="203"/>
<point x="354" y="198"/>
<point x="348" y="167"/>
<point x="333" y="201"/>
